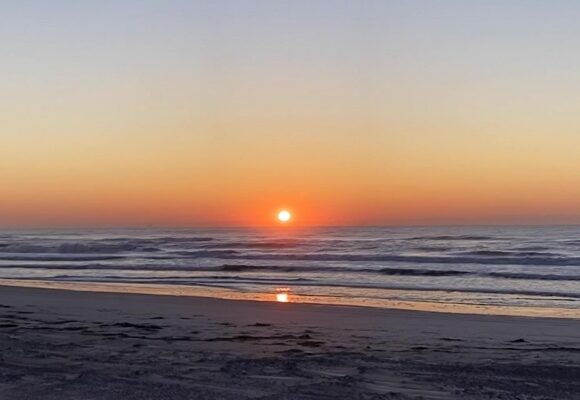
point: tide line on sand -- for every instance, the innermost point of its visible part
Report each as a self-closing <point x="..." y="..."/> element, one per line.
<point x="229" y="294"/>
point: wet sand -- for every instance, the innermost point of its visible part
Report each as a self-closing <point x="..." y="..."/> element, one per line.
<point x="58" y="344"/>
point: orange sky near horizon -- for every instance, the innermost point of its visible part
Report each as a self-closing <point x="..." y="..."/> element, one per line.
<point x="327" y="187"/>
<point x="220" y="115"/>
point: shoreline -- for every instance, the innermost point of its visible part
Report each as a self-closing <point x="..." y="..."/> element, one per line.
<point x="228" y="294"/>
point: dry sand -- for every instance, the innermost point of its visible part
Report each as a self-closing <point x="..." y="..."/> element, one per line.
<point x="58" y="344"/>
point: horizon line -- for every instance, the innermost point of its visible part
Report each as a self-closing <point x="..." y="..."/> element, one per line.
<point x="288" y="227"/>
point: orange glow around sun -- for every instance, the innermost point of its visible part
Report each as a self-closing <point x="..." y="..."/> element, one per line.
<point x="284" y="216"/>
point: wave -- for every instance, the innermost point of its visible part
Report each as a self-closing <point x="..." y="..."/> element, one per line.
<point x="68" y="248"/>
<point x="508" y="253"/>
<point x="158" y="239"/>
<point x="275" y="269"/>
<point x="503" y="260"/>
<point x="172" y="239"/>
<point x="178" y="279"/>
<point x="455" y="237"/>
<point x="207" y="254"/>
<point x="398" y="272"/>
<point x="421" y="272"/>
<point x="187" y="268"/>
<point x="402" y="272"/>
<point x="540" y="277"/>
<point x="252" y="245"/>
<point x="532" y="248"/>
<point x="55" y="257"/>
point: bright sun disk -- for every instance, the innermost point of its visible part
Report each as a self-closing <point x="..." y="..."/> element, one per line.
<point x="284" y="216"/>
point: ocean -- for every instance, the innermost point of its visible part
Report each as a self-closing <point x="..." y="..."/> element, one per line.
<point x="488" y="268"/>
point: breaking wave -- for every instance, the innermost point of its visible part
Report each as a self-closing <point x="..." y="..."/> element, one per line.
<point x="320" y="269"/>
<point x="505" y="260"/>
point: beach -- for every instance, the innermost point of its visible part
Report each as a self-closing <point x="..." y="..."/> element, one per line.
<point x="60" y="344"/>
<point x="290" y="200"/>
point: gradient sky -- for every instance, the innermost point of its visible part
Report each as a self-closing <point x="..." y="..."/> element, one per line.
<point x="347" y="112"/>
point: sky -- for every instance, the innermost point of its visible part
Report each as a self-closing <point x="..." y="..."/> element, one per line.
<point x="220" y="113"/>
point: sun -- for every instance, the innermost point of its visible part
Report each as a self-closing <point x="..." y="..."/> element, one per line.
<point x="284" y="216"/>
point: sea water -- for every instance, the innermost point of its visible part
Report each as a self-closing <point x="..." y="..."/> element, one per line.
<point x="487" y="267"/>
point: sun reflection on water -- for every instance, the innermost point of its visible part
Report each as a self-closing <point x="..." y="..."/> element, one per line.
<point x="282" y="295"/>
